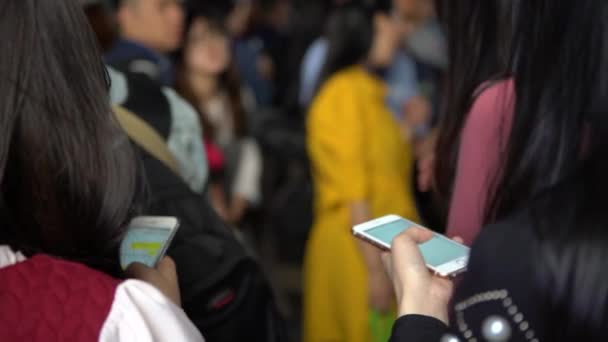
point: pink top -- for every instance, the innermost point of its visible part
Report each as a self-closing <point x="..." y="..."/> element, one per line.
<point x="483" y="139"/>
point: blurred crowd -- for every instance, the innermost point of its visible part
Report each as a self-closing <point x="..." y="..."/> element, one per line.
<point x="270" y="128"/>
<point x="246" y="67"/>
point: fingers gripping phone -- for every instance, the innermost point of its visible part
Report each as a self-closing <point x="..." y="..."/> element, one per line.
<point x="443" y="256"/>
<point x="147" y="240"/>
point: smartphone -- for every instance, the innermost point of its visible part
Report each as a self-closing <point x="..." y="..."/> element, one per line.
<point x="147" y="240"/>
<point x="443" y="256"/>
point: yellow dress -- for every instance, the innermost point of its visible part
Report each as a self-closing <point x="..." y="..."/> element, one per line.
<point x="357" y="153"/>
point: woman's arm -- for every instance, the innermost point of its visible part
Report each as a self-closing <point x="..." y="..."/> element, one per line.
<point x="486" y="129"/>
<point x="238" y="207"/>
<point x="217" y="197"/>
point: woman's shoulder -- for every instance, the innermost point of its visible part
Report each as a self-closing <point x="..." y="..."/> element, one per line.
<point x="113" y="310"/>
<point x="344" y="79"/>
<point x="493" y="88"/>
<point x="339" y="91"/>
<point x="499" y="287"/>
<point x="500" y="237"/>
<point x="492" y="109"/>
<point x="70" y="298"/>
<point x="507" y="244"/>
<point x="493" y="101"/>
<point x="501" y="256"/>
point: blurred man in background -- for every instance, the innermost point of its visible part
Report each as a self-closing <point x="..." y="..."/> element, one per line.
<point x="425" y="41"/>
<point x="252" y="60"/>
<point x="150" y="29"/>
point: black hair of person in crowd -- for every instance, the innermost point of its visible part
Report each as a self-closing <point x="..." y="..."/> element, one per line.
<point x="350" y="35"/>
<point x="102" y="22"/>
<point x="350" y="38"/>
<point x="478" y="35"/>
<point x="550" y="258"/>
<point x="69" y="177"/>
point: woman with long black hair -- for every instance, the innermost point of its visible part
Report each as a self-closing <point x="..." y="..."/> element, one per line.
<point x="208" y="79"/>
<point x="69" y="186"/>
<point x="538" y="274"/>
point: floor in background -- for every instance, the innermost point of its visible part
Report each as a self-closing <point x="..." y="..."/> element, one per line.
<point x="286" y="280"/>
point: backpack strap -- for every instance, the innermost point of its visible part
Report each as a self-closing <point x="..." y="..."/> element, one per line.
<point x="146" y="137"/>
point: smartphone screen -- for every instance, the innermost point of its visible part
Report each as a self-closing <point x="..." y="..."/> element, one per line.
<point x="436" y="252"/>
<point x="145" y="243"/>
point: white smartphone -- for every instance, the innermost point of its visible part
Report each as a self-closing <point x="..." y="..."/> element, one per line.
<point x="147" y="240"/>
<point x="443" y="256"/>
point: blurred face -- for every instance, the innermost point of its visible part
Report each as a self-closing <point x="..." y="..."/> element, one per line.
<point x="157" y="24"/>
<point x="281" y="14"/>
<point x="207" y="49"/>
<point x="387" y="34"/>
<point x="238" y="20"/>
<point x="414" y="10"/>
<point x="428" y="8"/>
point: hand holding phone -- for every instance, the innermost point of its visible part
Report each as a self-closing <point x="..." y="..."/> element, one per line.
<point x="418" y="291"/>
<point x="163" y="277"/>
<point x="442" y="255"/>
<point x="147" y="240"/>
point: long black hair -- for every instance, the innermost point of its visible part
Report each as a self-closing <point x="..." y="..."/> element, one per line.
<point x="68" y="176"/>
<point x="350" y="34"/>
<point x="545" y="140"/>
<point x="479" y="36"/>
<point x="557" y="155"/>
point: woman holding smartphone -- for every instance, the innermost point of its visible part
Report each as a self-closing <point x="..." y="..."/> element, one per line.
<point x="362" y="167"/>
<point x="69" y="188"/>
<point x="537" y="275"/>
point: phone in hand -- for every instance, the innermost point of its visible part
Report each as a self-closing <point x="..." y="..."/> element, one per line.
<point x="147" y="240"/>
<point x="443" y="256"/>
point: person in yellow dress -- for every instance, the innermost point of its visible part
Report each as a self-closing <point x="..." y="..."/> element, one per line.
<point x="362" y="168"/>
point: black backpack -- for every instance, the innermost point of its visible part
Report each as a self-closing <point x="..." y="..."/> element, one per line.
<point x="223" y="289"/>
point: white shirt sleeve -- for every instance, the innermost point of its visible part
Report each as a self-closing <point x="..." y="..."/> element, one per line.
<point x="141" y="313"/>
